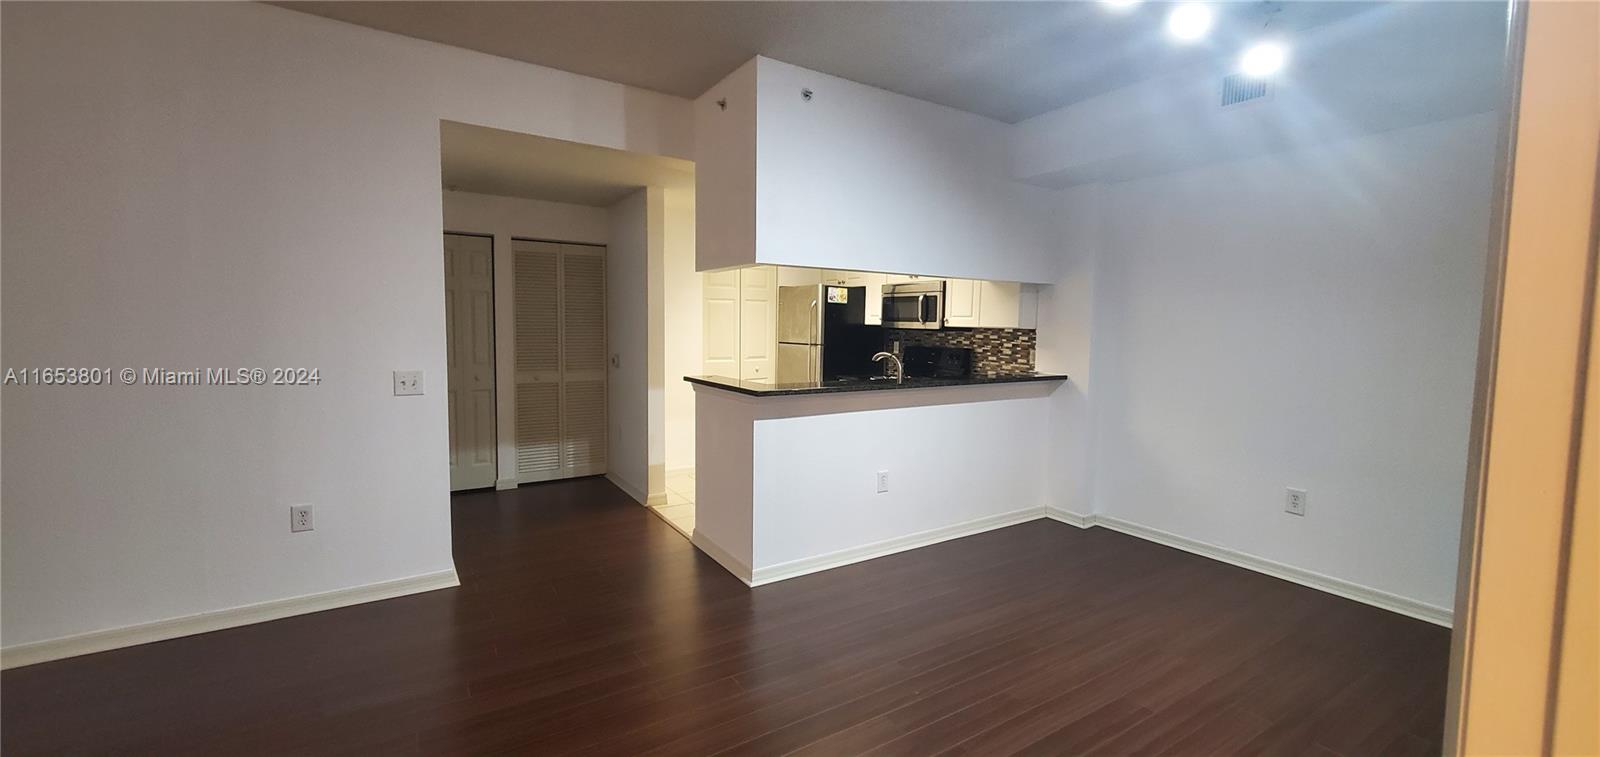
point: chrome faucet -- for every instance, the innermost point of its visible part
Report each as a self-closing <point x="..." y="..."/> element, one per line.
<point x="899" y="370"/>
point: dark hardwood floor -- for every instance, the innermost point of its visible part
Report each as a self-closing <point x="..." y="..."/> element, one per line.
<point x="585" y="625"/>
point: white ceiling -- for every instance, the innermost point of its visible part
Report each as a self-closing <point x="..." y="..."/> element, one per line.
<point x="1006" y="60"/>
<point x="492" y="161"/>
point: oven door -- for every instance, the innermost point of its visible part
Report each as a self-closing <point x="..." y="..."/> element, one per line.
<point x="913" y="310"/>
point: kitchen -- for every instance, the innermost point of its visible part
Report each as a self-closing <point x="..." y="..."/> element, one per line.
<point x="812" y="188"/>
<point x="820" y="359"/>
<point x="825" y="327"/>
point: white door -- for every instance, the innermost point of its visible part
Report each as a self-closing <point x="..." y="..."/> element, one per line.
<point x="720" y="319"/>
<point x="469" y="347"/>
<point x="561" y="360"/>
<point x="758" y="322"/>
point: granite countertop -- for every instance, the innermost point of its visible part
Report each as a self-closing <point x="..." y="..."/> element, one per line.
<point x="764" y="389"/>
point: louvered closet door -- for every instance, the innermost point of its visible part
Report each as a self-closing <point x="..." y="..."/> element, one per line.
<point x="561" y="360"/>
<point x="583" y="365"/>
<point x="538" y="340"/>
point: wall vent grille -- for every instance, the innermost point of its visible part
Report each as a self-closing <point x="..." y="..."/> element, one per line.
<point x="1238" y="88"/>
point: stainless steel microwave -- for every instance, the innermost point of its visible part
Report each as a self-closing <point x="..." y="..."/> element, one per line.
<point x="914" y="305"/>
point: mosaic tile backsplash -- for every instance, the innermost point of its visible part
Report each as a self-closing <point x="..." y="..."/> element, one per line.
<point x="993" y="350"/>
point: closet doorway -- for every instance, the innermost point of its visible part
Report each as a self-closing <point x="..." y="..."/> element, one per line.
<point x="469" y="350"/>
<point x="560" y="306"/>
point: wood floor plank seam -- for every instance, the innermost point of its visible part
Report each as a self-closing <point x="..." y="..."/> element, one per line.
<point x="586" y="625"/>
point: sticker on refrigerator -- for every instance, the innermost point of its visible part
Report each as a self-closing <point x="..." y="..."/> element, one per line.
<point x="838" y="295"/>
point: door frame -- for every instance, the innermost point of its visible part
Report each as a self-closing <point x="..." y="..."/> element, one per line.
<point x="1529" y="442"/>
<point x="494" y="353"/>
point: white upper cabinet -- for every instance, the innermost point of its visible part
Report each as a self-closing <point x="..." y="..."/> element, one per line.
<point x="1004" y="305"/>
<point x="962" y="301"/>
<point x="990" y="304"/>
<point x="872" y="281"/>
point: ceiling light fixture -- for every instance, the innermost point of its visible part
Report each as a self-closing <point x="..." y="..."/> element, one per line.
<point x="1263" y="59"/>
<point x="1189" y="22"/>
<point x="1119" y="5"/>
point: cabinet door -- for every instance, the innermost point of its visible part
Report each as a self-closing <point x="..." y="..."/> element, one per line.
<point x="1006" y="305"/>
<point x="874" y="284"/>
<point x="758" y="322"/>
<point x="719" y="314"/>
<point x="837" y="278"/>
<point x="1001" y="305"/>
<point x="962" y="302"/>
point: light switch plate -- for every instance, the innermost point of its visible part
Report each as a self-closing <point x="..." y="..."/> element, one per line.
<point x="407" y="383"/>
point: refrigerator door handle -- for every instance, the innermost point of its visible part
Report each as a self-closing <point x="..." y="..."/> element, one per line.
<point x="815" y="370"/>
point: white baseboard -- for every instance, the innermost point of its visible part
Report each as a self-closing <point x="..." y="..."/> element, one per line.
<point x="1365" y="594"/>
<point x="664" y="519"/>
<point x="505" y="483"/>
<point x="1069" y="518"/>
<point x="804" y="566"/>
<point x="716" y="552"/>
<point x="172" y="628"/>
<point x="629" y="489"/>
<point x="656" y="500"/>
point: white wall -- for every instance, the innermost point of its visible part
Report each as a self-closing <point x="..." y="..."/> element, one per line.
<point x="1395" y="65"/>
<point x="1304" y="319"/>
<point x="864" y="179"/>
<point x="815" y="481"/>
<point x="628" y="343"/>
<point x="237" y="185"/>
<point x="682" y="326"/>
<point x="860" y="178"/>
<point x="725" y="171"/>
<point x="508" y="218"/>
<point x="788" y="485"/>
<point x="724" y="478"/>
<point x="1065" y="345"/>
<point x="636" y="405"/>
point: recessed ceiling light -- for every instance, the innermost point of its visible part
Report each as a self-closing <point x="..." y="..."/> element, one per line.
<point x="1189" y="22"/>
<point x="1119" y="5"/>
<point x="1263" y="59"/>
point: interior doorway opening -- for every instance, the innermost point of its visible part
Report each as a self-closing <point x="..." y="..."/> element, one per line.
<point x="593" y="314"/>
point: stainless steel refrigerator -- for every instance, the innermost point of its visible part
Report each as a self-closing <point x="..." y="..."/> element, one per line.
<point x="823" y="335"/>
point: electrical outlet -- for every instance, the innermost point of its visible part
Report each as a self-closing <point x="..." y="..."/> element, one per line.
<point x="407" y="383"/>
<point x="883" y="481"/>
<point x="299" y="518"/>
<point x="1294" y="502"/>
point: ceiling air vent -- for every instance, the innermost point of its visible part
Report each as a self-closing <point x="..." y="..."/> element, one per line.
<point x="1238" y="88"/>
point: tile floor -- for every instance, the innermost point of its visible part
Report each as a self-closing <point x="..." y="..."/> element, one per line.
<point x="679" y="509"/>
